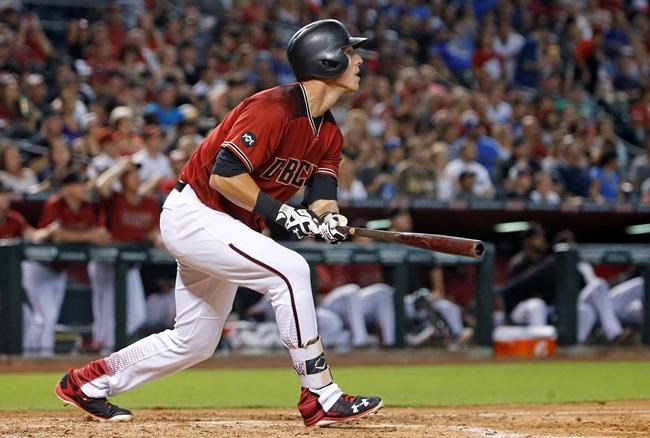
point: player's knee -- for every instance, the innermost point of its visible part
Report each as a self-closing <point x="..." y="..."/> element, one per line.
<point x="297" y="269"/>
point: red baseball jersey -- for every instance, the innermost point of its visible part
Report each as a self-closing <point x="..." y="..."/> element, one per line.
<point x="12" y="225"/>
<point x="56" y="209"/>
<point x="128" y="222"/>
<point x="275" y="136"/>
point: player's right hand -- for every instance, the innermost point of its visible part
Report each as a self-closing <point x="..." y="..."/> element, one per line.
<point x="300" y="222"/>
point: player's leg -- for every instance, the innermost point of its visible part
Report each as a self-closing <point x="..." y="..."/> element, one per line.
<point x="45" y="289"/>
<point x="136" y="310"/>
<point x="451" y="313"/>
<point x="345" y="301"/>
<point x="332" y="330"/>
<point x="627" y="299"/>
<point x="203" y="303"/>
<point x="377" y="302"/>
<point x="216" y="243"/>
<point x="102" y="284"/>
<point x="586" y="319"/>
<point x="595" y="294"/>
<point x="530" y="312"/>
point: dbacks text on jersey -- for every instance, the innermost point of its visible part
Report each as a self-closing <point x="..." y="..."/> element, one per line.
<point x="289" y="171"/>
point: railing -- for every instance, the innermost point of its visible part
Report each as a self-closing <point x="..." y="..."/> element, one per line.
<point x="399" y="259"/>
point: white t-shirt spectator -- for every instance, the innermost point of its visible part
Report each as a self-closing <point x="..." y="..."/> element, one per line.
<point x="153" y="165"/>
<point x="508" y="51"/>
<point x="355" y="192"/>
<point x="19" y="184"/>
<point x="482" y="183"/>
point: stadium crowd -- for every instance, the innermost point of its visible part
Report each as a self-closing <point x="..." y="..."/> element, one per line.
<point x="528" y="100"/>
<point x="497" y="99"/>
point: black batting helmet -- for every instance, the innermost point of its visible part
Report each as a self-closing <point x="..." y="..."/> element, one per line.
<point x="315" y="50"/>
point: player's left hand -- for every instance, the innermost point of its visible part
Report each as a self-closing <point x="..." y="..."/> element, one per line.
<point x="328" y="227"/>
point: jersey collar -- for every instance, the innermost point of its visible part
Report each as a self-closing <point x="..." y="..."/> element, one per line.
<point x="312" y="120"/>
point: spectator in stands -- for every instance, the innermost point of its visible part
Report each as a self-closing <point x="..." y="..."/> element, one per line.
<point x="151" y="159"/>
<point x="489" y="153"/>
<point x="520" y="187"/>
<point x="507" y="44"/>
<point x="574" y="170"/>
<point x="121" y="122"/>
<point x="51" y="129"/>
<point x="416" y="175"/>
<point x="164" y="107"/>
<point x="466" y="161"/>
<point x="444" y="183"/>
<point x="588" y="58"/>
<point x="545" y="191"/>
<point x="59" y="165"/>
<point x="79" y="222"/>
<point x="349" y="188"/>
<point x="605" y="178"/>
<point x="12" y="174"/>
<point x="640" y="168"/>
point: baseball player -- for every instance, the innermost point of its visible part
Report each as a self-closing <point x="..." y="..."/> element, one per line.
<point x="78" y="221"/>
<point x="131" y="217"/>
<point x="266" y="149"/>
<point x="628" y="299"/>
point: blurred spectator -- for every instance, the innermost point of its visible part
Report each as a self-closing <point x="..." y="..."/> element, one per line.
<point x="605" y="178"/>
<point x="507" y="44"/>
<point x="110" y="153"/>
<point x="151" y="159"/>
<point x="416" y="175"/>
<point x="640" y="168"/>
<point x="466" y="162"/>
<point x="59" y="165"/>
<point x="349" y="188"/>
<point x="574" y="170"/>
<point x="545" y="190"/>
<point x="12" y="174"/>
<point x="164" y="107"/>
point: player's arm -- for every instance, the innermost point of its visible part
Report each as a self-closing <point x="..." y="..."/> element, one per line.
<point x="231" y="179"/>
<point x="38" y="235"/>
<point x="104" y="182"/>
<point x="96" y="235"/>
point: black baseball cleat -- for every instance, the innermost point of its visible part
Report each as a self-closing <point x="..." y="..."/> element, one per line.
<point x="346" y="408"/>
<point x="99" y="408"/>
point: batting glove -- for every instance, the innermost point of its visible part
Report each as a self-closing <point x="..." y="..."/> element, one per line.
<point x="328" y="227"/>
<point x="300" y="222"/>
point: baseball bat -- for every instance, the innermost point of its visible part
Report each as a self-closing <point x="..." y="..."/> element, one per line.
<point x="432" y="242"/>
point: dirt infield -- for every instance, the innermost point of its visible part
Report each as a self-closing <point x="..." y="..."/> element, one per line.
<point x="612" y="419"/>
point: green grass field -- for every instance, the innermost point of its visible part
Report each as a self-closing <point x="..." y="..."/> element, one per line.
<point x="430" y="385"/>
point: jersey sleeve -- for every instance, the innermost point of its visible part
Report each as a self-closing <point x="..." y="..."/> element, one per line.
<point x="329" y="164"/>
<point x="49" y="213"/>
<point x="256" y="133"/>
<point x="21" y="222"/>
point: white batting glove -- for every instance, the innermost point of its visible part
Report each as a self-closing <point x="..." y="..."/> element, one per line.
<point x="300" y="222"/>
<point x="328" y="227"/>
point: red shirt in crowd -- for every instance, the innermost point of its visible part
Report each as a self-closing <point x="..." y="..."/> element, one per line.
<point x="56" y="209"/>
<point x="128" y="222"/>
<point x="276" y="138"/>
<point x="12" y="225"/>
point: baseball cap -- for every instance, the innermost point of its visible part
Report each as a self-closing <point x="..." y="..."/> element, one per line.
<point x="34" y="79"/>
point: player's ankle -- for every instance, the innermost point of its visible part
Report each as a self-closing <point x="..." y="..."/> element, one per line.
<point x="327" y="395"/>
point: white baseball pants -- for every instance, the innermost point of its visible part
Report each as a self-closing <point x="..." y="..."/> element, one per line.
<point x="215" y="254"/>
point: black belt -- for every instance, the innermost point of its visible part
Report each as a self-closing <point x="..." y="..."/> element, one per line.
<point x="180" y="185"/>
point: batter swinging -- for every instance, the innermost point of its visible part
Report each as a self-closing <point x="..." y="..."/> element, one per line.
<point x="268" y="147"/>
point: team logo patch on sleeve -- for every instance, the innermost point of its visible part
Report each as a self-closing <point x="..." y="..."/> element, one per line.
<point x="248" y="138"/>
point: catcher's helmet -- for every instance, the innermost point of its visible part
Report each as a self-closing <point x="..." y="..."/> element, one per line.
<point x="315" y="50"/>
